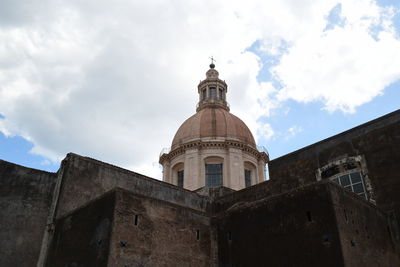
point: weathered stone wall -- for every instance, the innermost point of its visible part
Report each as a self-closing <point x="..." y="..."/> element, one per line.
<point x="25" y="198"/>
<point x="378" y="141"/>
<point x="150" y="232"/>
<point x="85" y="179"/>
<point x="297" y="228"/>
<point x="82" y="238"/>
<point x="365" y="235"/>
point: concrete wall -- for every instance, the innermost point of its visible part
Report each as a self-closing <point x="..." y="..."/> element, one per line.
<point x="377" y="141"/>
<point x="158" y="233"/>
<point x="82" y="238"/>
<point x="25" y="198"/>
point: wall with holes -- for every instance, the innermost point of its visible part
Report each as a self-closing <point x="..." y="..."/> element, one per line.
<point x="365" y="235"/>
<point x="372" y="149"/>
<point x="305" y="227"/>
<point x="151" y="232"/>
<point x="297" y="228"/>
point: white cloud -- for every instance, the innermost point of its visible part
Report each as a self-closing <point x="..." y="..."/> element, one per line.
<point x="265" y="131"/>
<point x="344" y="67"/>
<point x="293" y="131"/>
<point x="115" y="80"/>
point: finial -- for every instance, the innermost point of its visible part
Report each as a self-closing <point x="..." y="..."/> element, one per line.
<point x="212" y="65"/>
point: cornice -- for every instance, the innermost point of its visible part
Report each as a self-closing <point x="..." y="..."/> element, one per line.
<point x="211" y="145"/>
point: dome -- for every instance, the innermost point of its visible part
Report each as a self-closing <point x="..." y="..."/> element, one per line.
<point x="213" y="122"/>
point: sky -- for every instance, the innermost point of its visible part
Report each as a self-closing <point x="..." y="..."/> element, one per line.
<point x="114" y="80"/>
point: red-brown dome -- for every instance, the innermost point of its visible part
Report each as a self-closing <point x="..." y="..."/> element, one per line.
<point x="213" y="122"/>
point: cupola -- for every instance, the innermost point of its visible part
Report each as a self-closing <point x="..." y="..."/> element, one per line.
<point x="213" y="147"/>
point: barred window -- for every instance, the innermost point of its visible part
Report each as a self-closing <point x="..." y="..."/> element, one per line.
<point x="247" y="178"/>
<point x="180" y="178"/>
<point x="213" y="175"/>
<point x="353" y="182"/>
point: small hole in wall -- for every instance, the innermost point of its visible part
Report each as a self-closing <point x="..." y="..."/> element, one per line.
<point x="136" y="219"/>
<point x="123" y="244"/>
<point x="326" y="240"/>
<point x="309" y="217"/>
<point x="197" y="234"/>
<point x="388" y="229"/>
<point x="352" y="243"/>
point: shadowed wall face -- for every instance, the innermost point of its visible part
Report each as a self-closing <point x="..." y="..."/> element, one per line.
<point x="377" y="143"/>
<point x="25" y="198"/>
<point x="292" y="229"/>
<point x="365" y="235"/>
<point x="83" y="237"/>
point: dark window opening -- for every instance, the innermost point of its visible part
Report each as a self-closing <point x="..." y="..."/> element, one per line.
<point x="136" y="220"/>
<point x="229" y="235"/>
<point x="330" y="172"/>
<point x="180" y="178"/>
<point x="352" y="243"/>
<point x="326" y="240"/>
<point x="204" y="94"/>
<point x="197" y="234"/>
<point x="213" y="92"/>
<point x="309" y="217"/>
<point x="213" y="175"/>
<point x="247" y="178"/>
<point x="221" y="94"/>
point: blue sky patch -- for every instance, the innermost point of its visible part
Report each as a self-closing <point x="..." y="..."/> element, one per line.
<point x="334" y="18"/>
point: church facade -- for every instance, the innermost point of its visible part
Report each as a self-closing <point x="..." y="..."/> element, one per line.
<point x="333" y="203"/>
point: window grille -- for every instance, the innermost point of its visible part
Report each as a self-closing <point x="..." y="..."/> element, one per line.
<point x="247" y="178"/>
<point x="353" y="182"/>
<point x="213" y="175"/>
<point x="180" y="178"/>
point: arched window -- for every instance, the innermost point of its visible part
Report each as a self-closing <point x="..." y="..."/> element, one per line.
<point x="247" y="178"/>
<point x="352" y="181"/>
<point x="214" y="171"/>
<point x="249" y="172"/>
<point x="178" y="174"/>
<point x="349" y="172"/>
<point x="213" y="92"/>
<point x="180" y="178"/>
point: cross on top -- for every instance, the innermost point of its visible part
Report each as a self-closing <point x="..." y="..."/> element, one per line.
<point x="212" y="60"/>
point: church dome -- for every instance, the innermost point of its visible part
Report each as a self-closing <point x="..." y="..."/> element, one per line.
<point x="213" y="123"/>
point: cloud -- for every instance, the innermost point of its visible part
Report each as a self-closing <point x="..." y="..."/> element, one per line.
<point x="115" y="80"/>
<point x="345" y="66"/>
<point x="293" y="131"/>
<point x="265" y="131"/>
